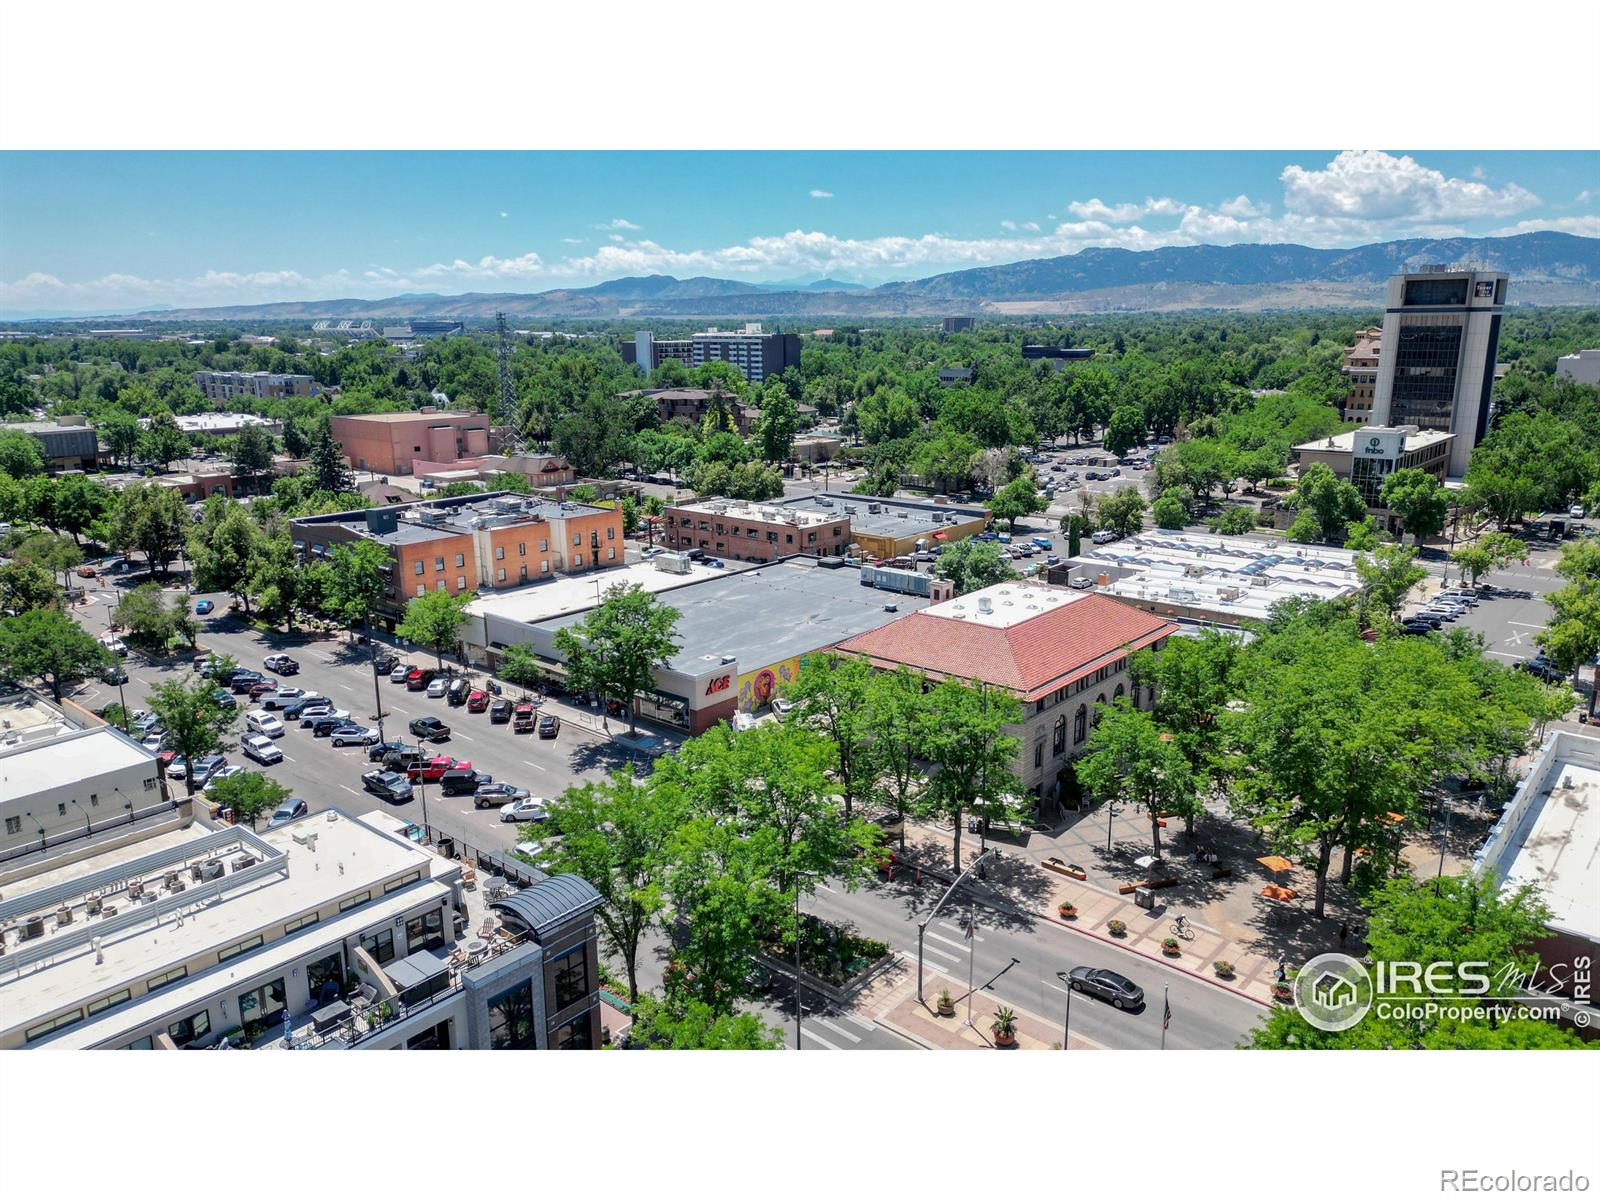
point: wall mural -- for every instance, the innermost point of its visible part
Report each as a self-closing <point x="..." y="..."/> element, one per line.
<point x="757" y="688"/>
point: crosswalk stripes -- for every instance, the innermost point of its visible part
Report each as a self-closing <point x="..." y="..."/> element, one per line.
<point x="807" y="1031"/>
<point x="941" y="953"/>
<point x="961" y="946"/>
<point x="863" y="1023"/>
<point x="838" y="1029"/>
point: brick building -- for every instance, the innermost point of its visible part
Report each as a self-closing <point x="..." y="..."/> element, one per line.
<point x="389" y="443"/>
<point x="259" y="385"/>
<point x="753" y="532"/>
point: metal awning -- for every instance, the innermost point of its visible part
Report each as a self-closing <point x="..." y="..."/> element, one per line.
<point x="416" y="969"/>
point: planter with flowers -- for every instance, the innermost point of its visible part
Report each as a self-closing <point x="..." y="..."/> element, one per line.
<point x="1223" y="968"/>
<point x="1067" y="909"/>
<point x="946" y="1005"/>
<point x="1117" y="928"/>
<point x="1171" y="947"/>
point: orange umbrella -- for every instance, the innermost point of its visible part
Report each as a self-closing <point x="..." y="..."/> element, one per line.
<point x="1275" y="863"/>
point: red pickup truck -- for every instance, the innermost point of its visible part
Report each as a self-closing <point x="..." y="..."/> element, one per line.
<point x="434" y="768"/>
<point x="522" y="720"/>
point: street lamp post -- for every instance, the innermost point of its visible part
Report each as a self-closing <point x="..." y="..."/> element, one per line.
<point x="1111" y="812"/>
<point x="922" y="929"/>
<point x="377" y="692"/>
<point x="799" y="1008"/>
<point x="1066" y="1021"/>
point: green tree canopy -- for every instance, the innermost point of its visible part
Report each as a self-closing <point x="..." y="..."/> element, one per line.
<point x="616" y="649"/>
<point x="196" y="724"/>
<point x="248" y="794"/>
<point x="46" y="643"/>
<point x="971" y="565"/>
<point x="1418" y="499"/>
<point x="434" y="619"/>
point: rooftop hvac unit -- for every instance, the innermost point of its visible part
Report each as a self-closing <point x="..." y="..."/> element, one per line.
<point x="850" y="509"/>
<point x="64" y="915"/>
<point x="210" y="869"/>
<point x="985" y="605"/>
<point x="241" y="861"/>
<point x="92" y="906"/>
<point x="33" y="927"/>
<point x="874" y="508"/>
<point x="169" y="879"/>
<point x="891" y="608"/>
<point x="136" y="889"/>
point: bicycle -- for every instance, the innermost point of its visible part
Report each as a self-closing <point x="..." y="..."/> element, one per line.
<point x="1183" y="929"/>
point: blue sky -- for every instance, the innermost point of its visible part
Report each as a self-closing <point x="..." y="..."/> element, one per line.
<point x="110" y="231"/>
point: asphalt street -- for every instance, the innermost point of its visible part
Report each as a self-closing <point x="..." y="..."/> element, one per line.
<point x="1015" y="958"/>
<point x="326" y="777"/>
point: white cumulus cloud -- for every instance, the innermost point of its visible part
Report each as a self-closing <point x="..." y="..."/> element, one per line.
<point x="819" y="194"/>
<point x="1582" y="226"/>
<point x="1372" y="185"/>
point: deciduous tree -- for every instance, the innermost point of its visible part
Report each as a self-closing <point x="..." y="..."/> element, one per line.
<point x="47" y="643"/>
<point x="616" y="649"/>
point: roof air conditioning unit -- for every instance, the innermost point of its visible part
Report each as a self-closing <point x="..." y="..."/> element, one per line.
<point x="985" y="605"/>
<point x="241" y="861"/>
<point x="64" y="915"/>
<point x="874" y="508"/>
<point x="33" y="927"/>
<point x="210" y="869"/>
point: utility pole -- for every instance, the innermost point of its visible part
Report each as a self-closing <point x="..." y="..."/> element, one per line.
<point x="377" y="692"/>
<point x="799" y="1007"/>
<point x="972" y="954"/>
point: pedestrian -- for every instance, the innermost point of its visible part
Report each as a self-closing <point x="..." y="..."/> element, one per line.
<point x="1283" y="970"/>
<point x="1344" y="932"/>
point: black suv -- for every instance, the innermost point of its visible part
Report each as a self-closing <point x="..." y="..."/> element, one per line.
<point x="500" y="712"/>
<point x="323" y="726"/>
<point x="386" y="662"/>
<point x="402" y="757"/>
<point x="463" y="783"/>
<point x="243" y="681"/>
<point x="456" y="694"/>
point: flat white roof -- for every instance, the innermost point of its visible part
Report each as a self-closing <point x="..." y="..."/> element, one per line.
<point x="1003" y="605"/>
<point x="576" y="593"/>
<point x="1346" y="441"/>
<point x="349" y="857"/>
<point x="1235" y="576"/>
<point x="70" y="757"/>
<point x="1549" y="835"/>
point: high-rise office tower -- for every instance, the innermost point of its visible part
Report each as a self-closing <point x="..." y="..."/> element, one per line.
<point x="1436" y="363"/>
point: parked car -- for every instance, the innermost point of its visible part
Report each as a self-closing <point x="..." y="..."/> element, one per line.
<point x="350" y="734"/>
<point x="324" y="726"/>
<point x="224" y="698"/>
<point x="295" y="708"/>
<point x="477" y="700"/>
<point x="549" y="725"/>
<point x="289" y="810"/>
<point x="264" y="723"/>
<point x="433" y="769"/>
<point x="389" y="785"/>
<point x="260" y="747"/>
<point x="114" y="674"/>
<point x="500" y="712"/>
<point x="177" y="767"/>
<point x="529" y="808"/>
<point x="378" y="751"/>
<point x="526" y="715"/>
<point x="262" y="688"/>
<point x="436" y="689"/>
<point x="1102" y="536"/>
<point x="458" y="691"/>
<point x="202" y="607"/>
<point x="1415" y="628"/>
<point x="205" y="767"/>
<point x="429" y="729"/>
<point x="312" y="717"/>
<point x="1542" y="667"/>
<point x="243" y="681"/>
<point x="114" y="644"/>
<point x="463" y="782"/>
<point x="419" y="677"/>
<point x="283" y="697"/>
<point x="385" y="663"/>
<point x="281" y="663"/>
<point x="399" y="672"/>
<point x="491" y="794"/>
<point x="152" y="741"/>
<point x="1082" y="582"/>
<point x="1576" y="512"/>
<point x="1119" y="990"/>
<point x="403" y="758"/>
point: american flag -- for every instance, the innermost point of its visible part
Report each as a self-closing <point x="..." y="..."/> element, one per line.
<point x="972" y="928"/>
<point x="1166" y="1012"/>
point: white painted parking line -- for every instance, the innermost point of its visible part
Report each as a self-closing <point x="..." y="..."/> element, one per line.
<point x="1500" y="654"/>
<point x="939" y="937"/>
<point x="818" y="1038"/>
<point x="842" y="1032"/>
<point x="1524" y="625"/>
<point x="286" y="758"/>
<point x="824" y="886"/>
<point x="351" y="790"/>
<point x="536" y="766"/>
<point x="465" y="738"/>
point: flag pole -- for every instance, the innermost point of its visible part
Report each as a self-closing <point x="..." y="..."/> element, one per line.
<point x="1166" y="1014"/>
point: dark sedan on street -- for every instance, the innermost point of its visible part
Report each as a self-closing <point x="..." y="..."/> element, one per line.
<point x="500" y="712"/>
<point x="1118" y="990"/>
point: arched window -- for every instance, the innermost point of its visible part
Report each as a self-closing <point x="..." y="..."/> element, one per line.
<point x="1117" y="695"/>
<point x="1058" y="744"/>
<point x="1133" y="694"/>
<point x="1080" y="724"/>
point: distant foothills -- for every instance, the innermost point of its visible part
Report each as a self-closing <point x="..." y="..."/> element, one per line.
<point x="1546" y="268"/>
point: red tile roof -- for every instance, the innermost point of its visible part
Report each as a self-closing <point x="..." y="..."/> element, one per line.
<point x="1031" y="658"/>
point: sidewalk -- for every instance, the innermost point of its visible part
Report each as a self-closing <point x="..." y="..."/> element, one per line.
<point x="918" y="1020"/>
<point x="1020" y="879"/>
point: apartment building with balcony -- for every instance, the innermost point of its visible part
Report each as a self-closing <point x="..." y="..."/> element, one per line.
<point x="256" y="385"/>
<point x="329" y="932"/>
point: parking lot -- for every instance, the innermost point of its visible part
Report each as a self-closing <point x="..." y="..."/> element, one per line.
<point x="326" y="776"/>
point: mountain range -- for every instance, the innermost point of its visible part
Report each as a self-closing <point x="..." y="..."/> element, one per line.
<point x="1545" y="268"/>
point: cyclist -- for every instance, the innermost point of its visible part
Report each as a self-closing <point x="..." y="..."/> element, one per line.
<point x="1182" y="925"/>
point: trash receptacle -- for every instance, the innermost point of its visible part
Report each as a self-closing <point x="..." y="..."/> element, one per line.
<point x="1144" y="897"/>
